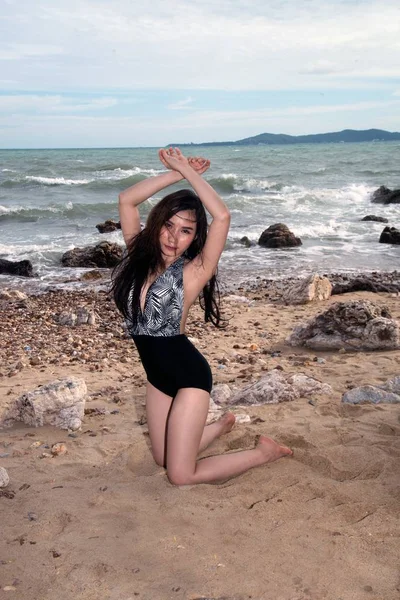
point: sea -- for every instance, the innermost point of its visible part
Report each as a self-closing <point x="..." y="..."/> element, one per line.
<point x="51" y="201"/>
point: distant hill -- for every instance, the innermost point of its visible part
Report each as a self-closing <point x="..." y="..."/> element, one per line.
<point x="347" y="135"/>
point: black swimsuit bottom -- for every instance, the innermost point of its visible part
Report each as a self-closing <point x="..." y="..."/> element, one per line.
<point x="172" y="363"/>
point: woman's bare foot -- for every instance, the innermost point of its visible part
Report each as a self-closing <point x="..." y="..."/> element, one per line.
<point x="226" y="422"/>
<point x="271" y="450"/>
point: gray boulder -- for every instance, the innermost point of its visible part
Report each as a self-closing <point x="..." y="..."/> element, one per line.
<point x="356" y="325"/>
<point x="312" y="289"/>
<point x="60" y="403"/>
<point x="278" y="236"/>
<point x="21" y="268"/>
<point x="384" y="195"/>
<point x="104" y="255"/>
<point x="277" y="386"/>
<point x="375" y="218"/>
<point x="390" y="235"/>
<point x="389" y="392"/>
<point x="108" y="226"/>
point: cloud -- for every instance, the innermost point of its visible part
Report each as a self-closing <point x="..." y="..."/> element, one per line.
<point x="181" y="104"/>
<point x="181" y="45"/>
<point x="28" y="103"/>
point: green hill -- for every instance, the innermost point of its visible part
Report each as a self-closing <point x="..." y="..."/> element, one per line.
<point x="346" y="136"/>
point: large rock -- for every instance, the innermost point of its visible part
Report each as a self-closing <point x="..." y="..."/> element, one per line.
<point x="388" y="392"/>
<point x="278" y="236"/>
<point x="277" y="386"/>
<point x="60" y="403"/>
<point x="357" y="325"/>
<point x="104" y="255"/>
<point x="311" y="289"/>
<point x="108" y="226"/>
<point x="384" y="195"/>
<point x="364" y="283"/>
<point x="22" y="268"/>
<point x="375" y="218"/>
<point x="390" y="235"/>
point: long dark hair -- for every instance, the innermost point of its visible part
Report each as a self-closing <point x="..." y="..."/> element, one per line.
<point x="144" y="257"/>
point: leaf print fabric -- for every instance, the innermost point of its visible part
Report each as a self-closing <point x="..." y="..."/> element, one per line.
<point x="163" y="305"/>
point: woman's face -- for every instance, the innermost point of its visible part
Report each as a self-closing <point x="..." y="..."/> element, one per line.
<point x="177" y="234"/>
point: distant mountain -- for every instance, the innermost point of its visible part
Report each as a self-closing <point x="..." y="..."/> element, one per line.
<point x="347" y="135"/>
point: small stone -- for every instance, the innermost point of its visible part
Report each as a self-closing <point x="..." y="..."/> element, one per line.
<point x="368" y="588"/>
<point x="4" y="478"/>
<point x="32" y="516"/>
<point x="59" y="449"/>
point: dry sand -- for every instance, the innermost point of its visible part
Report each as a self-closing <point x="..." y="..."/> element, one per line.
<point x="104" y="523"/>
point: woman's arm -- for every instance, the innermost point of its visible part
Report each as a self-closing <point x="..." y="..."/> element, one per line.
<point x="204" y="266"/>
<point x="130" y="199"/>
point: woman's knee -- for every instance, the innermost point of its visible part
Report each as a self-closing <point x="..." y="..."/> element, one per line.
<point x="177" y="477"/>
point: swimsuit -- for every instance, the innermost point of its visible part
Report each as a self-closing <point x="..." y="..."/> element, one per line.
<point x="170" y="360"/>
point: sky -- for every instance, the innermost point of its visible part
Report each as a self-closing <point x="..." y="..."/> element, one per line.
<point x="126" y="73"/>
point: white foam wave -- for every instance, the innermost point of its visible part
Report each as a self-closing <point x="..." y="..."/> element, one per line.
<point x="57" y="180"/>
<point x="8" y="171"/>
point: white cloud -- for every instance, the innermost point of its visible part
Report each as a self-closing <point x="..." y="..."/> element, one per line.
<point x="181" y="104"/>
<point x="35" y="103"/>
<point x="181" y="45"/>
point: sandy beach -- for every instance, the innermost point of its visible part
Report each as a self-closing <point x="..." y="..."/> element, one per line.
<point x="102" y="522"/>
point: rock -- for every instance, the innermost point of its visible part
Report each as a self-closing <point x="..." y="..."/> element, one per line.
<point x="375" y="218"/>
<point x="235" y="298"/>
<point x="390" y="235"/>
<point x="91" y="275"/>
<point x="278" y="236"/>
<point x="392" y="385"/>
<point x="22" y="268"/>
<point x="108" y="226"/>
<point x="67" y="318"/>
<point x="384" y="195"/>
<point x="104" y="255"/>
<point x="59" y="449"/>
<point x="4" y="478"/>
<point x="12" y="295"/>
<point x="214" y="412"/>
<point x="370" y="393"/>
<point x="246" y="242"/>
<point x="82" y="316"/>
<point x="311" y="289"/>
<point x="357" y="325"/>
<point x="60" y="403"/>
<point x="362" y="283"/>
<point x="277" y="386"/>
<point x="221" y="393"/>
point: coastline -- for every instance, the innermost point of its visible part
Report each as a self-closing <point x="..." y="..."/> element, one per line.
<point x="108" y="525"/>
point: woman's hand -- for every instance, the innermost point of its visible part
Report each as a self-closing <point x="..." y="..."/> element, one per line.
<point x="199" y="164"/>
<point x="173" y="159"/>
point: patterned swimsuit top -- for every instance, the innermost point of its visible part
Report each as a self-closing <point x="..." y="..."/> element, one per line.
<point x="163" y="304"/>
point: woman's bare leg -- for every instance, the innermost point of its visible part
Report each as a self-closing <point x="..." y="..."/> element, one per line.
<point x="185" y="429"/>
<point x="158" y="406"/>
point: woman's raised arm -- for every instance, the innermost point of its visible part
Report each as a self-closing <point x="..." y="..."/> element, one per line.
<point x="130" y="199"/>
<point x="205" y="265"/>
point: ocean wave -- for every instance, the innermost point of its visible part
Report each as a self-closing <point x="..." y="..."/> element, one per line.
<point x="69" y="210"/>
<point x="56" y="180"/>
<point x="230" y="183"/>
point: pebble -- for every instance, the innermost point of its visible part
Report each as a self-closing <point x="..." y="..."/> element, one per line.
<point x="59" y="449"/>
<point x="4" y="478"/>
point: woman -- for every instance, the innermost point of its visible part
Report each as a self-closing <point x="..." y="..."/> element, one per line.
<point x="168" y="265"/>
